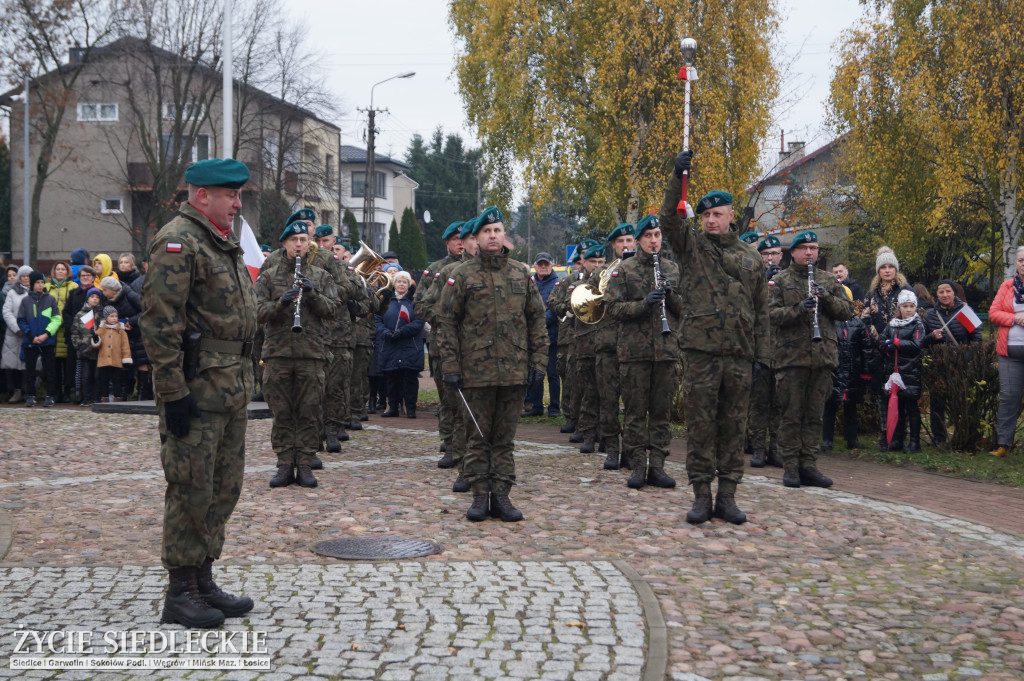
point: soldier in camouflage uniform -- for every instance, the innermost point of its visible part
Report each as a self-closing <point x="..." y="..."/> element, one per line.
<point x="586" y="357"/>
<point x="494" y="344"/>
<point x="198" y="282"/>
<point x="804" y="367"/>
<point x="430" y="280"/>
<point x="648" y="359"/>
<point x="294" y="372"/>
<point x="558" y="303"/>
<point x="362" y="356"/>
<point x="764" y="415"/>
<point x="724" y="331"/>
<point x="609" y="389"/>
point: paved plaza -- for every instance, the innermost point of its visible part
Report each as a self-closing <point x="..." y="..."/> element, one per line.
<point x="864" y="581"/>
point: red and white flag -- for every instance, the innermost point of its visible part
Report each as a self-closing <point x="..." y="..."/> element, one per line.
<point x="404" y="314"/>
<point x="968" y="319"/>
<point x="88" y="319"/>
<point x="252" y="255"/>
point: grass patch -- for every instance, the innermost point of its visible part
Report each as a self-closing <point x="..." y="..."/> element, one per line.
<point x="1008" y="470"/>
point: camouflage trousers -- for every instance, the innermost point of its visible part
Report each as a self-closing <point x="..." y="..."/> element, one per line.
<point x="204" y="473"/>
<point x="609" y="388"/>
<point x="570" y="404"/>
<point x="451" y="418"/>
<point x="764" y="414"/>
<point x="802" y="394"/>
<point x="586" y="384"/>
<point x="336" y="389"/>
<point x="359" y="385"/>
<point x="647" y="392"/>
<point x="257" y="353"/>
<point x="294" y="389"/>
<point x="716" y="395"/>
<point x="489" y="464"/>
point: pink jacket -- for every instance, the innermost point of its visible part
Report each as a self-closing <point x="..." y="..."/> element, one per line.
<point x="1001" y="314"/>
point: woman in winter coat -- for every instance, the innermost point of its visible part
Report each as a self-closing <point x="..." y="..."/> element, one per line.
<point x="129" y="308"/>
<point x="61" y="286"/>
<point x="881" y="308"/>
<point x="1007" y="313"/>
<point x="11" y="360"/>
<point x="401" y="359"/>
<point x="902" y="345"/>
<point x="126" y="270"/>
<point x="942" y="327"/>
<point x="855" y="350"/>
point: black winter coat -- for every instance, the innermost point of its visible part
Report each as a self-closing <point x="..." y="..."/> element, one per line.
<point x="908" y="345"/>
<point x="855" y="350"/>
<point x="129" y="309"/>
<point x="934" y="318"/>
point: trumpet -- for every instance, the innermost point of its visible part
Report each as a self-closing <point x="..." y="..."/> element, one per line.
<point x="659" y="282"/>
<point x="587" y="301"/>
<point x="816" y="330"/>
<point x="297" y="320"/>
<point x="366" y="263"/>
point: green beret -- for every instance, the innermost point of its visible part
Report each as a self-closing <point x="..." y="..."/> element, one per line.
<point x="802" y="238"/>
<point x="489" y="216"/>
<point x="297" y="227"/>
<point x="647" y="222"/>
<point x="217" y="172"/>
<point x="714" y="200"/>
<point x="302" y="214"/>
<point x="594" y="251"/>
<point x="266" y="248"/>
<point x="467" y="227"/>
<point x="625" y="229"/>
<point x="323" y="230"/>
<point x="749" y="237"/>
<point x="454" y="229"/>
<point x="769" y="242"/>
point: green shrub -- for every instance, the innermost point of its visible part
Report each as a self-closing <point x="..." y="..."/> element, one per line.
<point x="968" y="377"/>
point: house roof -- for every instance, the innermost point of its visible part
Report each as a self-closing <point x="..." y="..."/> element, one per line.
<point x="351" y="154"/>
<point x="806" y="158"/>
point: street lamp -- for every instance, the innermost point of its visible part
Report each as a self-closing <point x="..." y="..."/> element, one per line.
<point x="371" y="170"/>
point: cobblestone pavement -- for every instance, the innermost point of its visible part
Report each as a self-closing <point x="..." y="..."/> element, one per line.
<point x="820" y="584"/>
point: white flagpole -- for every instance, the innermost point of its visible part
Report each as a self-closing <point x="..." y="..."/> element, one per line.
<point x="228" y="89"/>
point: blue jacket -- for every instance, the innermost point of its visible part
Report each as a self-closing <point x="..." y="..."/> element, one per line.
<point x="546" y="286"/>
<point x="37" y="315"/>
<point x="404" y="348"/>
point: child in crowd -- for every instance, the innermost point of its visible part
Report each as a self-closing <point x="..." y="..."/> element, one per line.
<point x="901" y="343"/>
<point x="112" y="354"/>
<point x="87" y="342"/>
<point x="39" y="319"/>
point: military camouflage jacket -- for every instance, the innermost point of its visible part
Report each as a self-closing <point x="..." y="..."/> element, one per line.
<point x="607" y="335"/>
<point x="792" y="324"/>
<point x="724" y="287"/>
<point x="639" y="324"/>
<point x="433" y="297"/>
<point x="430" y="281"/>
<point x="491" y="323"/>
<point x="197" y="281"/>
<point x="558" y="303"/>
<point x="318" y="312"/>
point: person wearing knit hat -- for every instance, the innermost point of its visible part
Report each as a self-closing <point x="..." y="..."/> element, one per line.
<point x="885" y="256"/>
<point x="903" y="342"/>
<point x="39" y="319"/>
<point x="113" y="353"/>
<point x="84" y="323"/>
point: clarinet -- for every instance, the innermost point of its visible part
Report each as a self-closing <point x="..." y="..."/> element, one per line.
<point x="659" y="283"/>
<point x="297" y="320"/>
<point x="816" y="331"/>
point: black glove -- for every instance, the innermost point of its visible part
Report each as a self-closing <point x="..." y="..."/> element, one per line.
<point x="758" y="369"/>
<point x="668" y="285"/>
<point x="386" y="295"/>
<point x="290" y="295"/>
<point x="305" y="283"/>
<point x="535" y="377"/>
<point x="177" y="414"/>
<point x="351" y="305"/>
<point x="683" y="162"/>
<point x="655" y="297"/>
<point x="452" y="380"/>
<point x="809" y="303"/>
<point x="818" y="289"/>
<point x="771" y="271"/>
<point x="388" y="335"/>
<point x="94" y="336"/>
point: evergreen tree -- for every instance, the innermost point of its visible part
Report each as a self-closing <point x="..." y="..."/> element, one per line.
<point x="394" y="242"/>
<point x="412" y="251"/>
<point x="5" y="196"/>
<point x="274" y="211"/>
<point x="353" y="229"/>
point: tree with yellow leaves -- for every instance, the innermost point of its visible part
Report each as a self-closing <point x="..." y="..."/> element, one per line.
<point x="931" y="95"/>
<point x="584" y="95"/>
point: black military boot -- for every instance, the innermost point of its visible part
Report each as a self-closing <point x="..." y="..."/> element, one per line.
<point x="624" y="463"/>
<point x="185" y="606"/>
<point x="446" y="461"/>
<point x="568" y="427"/>
<point x="790" y="475"/>
<point x="774" y="458"/>
<point x="284" y="476"/>
<point x="759" y="458"/>
<point x="659" y="478"/>
<point x="700" y="512"/>
<point x="444" y="446"/>
<point x="588" y="446"/>
<point x="611" y="462"/>
<point x="501" y="507"/>
<point x="576" y="437"/>
<point x="333" y="444"/>
<point x="478" y="510"/>
<point x="726" y="508"/>
<point x="342" y="435"/>
<point x="602" y="445"/>
<point x="812" y="477"/>
<point x="229" y="604"/>
<point x="316" y="464"/>
<point x="460" y="485"/>
<point x="638" y="478"/>
<point x="354" y="424"/>
<point x="304" y="476"/>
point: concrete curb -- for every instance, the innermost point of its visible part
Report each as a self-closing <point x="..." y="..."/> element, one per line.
<point x="657" y="634"/>
<point x="6" y="533"/>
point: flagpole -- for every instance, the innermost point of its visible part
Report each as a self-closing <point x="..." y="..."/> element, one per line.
<point x="951" y="336"/>
<point x="228" y="88"/>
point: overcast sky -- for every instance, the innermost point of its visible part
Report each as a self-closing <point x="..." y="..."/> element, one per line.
<point x="365" y="43"/>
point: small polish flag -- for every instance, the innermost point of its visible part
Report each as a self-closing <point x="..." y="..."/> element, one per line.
<point x="403" y="315"/>
<point x="968" y="319"/>
<point x="88" y="319"/>
<point x="173" y="248"/>
<point x="252" y="254"/>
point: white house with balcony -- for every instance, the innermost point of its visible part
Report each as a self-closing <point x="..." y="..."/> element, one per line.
<point x="394" y="192"/>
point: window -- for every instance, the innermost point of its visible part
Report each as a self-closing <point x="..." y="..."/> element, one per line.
<point x="88" y="111"/>
<point x="329" y="170"/>
<point x="327" y="216"/>
<point x="200" y="150"/>
<point x="359" y="182"/>
<point x="191" y="111"/>
<point x="111" y="206"/>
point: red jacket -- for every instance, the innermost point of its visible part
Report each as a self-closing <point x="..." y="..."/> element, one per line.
<point x="1001" y="314"/>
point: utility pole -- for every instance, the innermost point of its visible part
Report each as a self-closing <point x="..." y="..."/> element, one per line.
<point x="227" y="89"/>
<point x="26" y="202"/>
<point x="479" y="183"/>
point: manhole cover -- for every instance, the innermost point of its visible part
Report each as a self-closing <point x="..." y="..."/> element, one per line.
<point x="376" y="548"/>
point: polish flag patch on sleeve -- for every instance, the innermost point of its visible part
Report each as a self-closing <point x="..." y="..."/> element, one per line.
<point x="451" y="282"/>
<point x="173" y="247"/>
<point x="426" y="271"/>
<point x="437" y="275"/>
<point x="615" y="273"/>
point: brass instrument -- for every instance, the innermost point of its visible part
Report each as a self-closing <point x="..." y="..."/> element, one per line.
<point x="659" y="282"/>
<point x="587" y="301"/>
<point x="297" y="320"/>
<point x="366" y="263"/>
<point x="816" y="330"/>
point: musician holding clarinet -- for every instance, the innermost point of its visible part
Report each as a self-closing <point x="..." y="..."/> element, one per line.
<point x="297" y="304"/>
<point x="641" y="297"/>
<point x="805" y="303"/>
